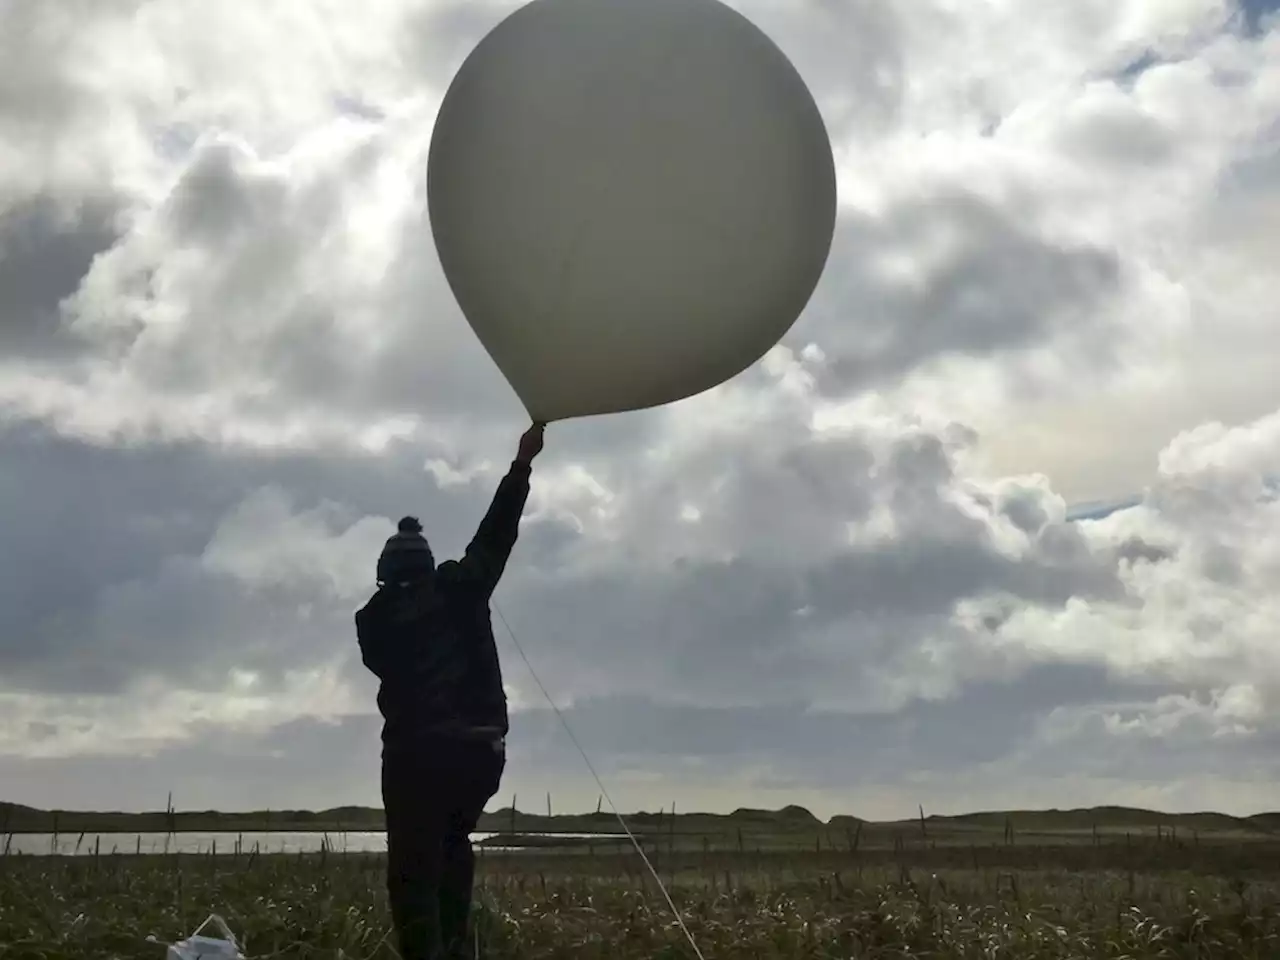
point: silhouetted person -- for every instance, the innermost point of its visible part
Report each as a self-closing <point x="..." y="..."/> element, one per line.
<point x="426" y="634"/>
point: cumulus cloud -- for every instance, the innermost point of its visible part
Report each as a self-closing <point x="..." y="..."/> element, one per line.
<point x="229" y="360"/>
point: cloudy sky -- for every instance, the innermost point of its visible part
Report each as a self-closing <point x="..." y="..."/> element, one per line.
<point x="853" y="578"/>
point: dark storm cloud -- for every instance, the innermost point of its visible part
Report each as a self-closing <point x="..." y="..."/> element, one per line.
<point x="139" y="599"/>
<point x="989" y="285"/>
<point x="45" y="251"/>
<point x="742" y="632"/>
<point x="1258" y="16"/>
<point x="98" y="576"/>
<point x="293" y="764"/>
<point x="303" y="764"/>
<point x="984" y="722"/>
<point x="795" y="613"/>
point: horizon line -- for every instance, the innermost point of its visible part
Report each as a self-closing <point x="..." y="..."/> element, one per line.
<point x="662" y="811"/>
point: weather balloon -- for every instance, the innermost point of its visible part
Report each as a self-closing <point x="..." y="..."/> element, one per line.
<point x="632" y="200"/>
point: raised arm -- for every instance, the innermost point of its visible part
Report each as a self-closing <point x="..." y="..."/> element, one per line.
<point x="487" y="554"/>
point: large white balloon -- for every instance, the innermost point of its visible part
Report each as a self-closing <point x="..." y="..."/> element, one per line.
<point x="632" y="200"/>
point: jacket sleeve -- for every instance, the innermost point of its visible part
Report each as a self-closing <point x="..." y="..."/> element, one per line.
<point x="486" y="558"/>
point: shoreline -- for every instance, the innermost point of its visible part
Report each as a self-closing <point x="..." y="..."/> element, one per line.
<point x="792" y="821"/>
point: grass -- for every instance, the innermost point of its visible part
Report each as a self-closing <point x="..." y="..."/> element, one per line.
<point x="1112" y="900"/>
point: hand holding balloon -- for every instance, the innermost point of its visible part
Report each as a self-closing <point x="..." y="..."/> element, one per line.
<point x="530" y="444"/>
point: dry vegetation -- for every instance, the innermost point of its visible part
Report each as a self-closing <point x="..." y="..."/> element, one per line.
<point x="1134" y="900"/>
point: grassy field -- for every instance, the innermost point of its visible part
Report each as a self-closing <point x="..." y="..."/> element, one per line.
<point x="988" y="898"/>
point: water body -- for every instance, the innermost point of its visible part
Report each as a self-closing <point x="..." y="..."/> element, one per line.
<point x="365" y="841"/>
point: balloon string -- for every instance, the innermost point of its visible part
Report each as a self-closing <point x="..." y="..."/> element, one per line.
<point x="603" y="790"/>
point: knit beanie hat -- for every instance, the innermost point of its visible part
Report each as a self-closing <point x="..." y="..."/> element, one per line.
<point x="407" y="556"/>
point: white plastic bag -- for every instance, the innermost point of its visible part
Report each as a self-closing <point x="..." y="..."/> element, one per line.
<point x="200" y="946"/>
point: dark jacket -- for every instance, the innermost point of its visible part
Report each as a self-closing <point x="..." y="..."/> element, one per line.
<point x="431" y="643"/>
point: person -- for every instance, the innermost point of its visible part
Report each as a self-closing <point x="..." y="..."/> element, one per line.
<point x="426" y="634"/>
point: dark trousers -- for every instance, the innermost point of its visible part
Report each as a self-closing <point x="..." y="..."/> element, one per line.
<point x="434" y="794"/>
